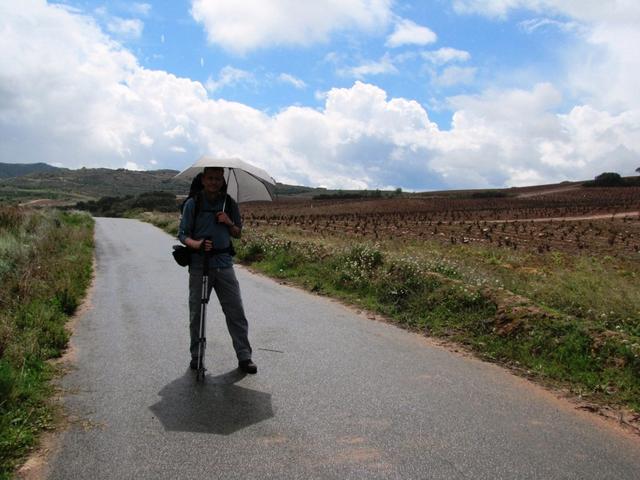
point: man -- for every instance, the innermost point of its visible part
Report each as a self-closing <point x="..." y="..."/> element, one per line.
<point x="217" y="219"/>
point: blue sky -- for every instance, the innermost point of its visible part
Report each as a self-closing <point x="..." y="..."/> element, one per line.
<point x="173" y="41"/>
<point x="421" y="95"/>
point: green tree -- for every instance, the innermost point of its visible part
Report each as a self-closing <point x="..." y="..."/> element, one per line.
<point x="608" y="179"/>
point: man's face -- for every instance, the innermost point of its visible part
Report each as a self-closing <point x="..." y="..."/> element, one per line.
<point x="213" y="180"/>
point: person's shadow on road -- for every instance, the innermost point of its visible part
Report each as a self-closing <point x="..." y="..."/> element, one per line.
<point x="215" y="406"/>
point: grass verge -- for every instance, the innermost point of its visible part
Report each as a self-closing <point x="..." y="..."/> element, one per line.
<point x="167" y="222"/>
<point x="45" y="269"/>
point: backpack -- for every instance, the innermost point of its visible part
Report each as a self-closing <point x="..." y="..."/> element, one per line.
<point x="195" y="188"/>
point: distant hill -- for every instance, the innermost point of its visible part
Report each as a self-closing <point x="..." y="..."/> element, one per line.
<point x="63" y="184"/>
<point x="29" y="182"/>
<point x="39" y="182"/>
<point x="33" y="182"/>
<point x="8" y="170"/>
<point x="284" y="189"/>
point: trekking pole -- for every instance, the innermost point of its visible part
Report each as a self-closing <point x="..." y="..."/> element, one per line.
<point x="204" y="299"/>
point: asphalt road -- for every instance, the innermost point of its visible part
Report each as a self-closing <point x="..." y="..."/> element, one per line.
<point x="337" y="396"/>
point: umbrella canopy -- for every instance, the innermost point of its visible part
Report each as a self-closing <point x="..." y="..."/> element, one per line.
<point x="245" y="183"/>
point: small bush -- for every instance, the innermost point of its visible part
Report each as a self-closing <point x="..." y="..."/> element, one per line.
<point x="608" y="179"/>
<point x="612" y="179"/>
<point x="10" y="218"/>
<point x="401" y="282"/>
<point x="365" y="257"/>
<point x="251" y="251"/>
<point x="66" y="301"/>
<point x="7" y="380"/>
<point x="355" y="268"/>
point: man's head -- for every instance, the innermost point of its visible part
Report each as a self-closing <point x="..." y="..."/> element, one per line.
<point x="213" y="180"/>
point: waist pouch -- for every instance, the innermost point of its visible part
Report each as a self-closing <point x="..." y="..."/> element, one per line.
<point x="182" y="254"/>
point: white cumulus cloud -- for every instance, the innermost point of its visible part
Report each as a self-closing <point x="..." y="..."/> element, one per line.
<point x="125" y="27"/>
<point x="248" y="25"/>
<point x="455" y="75"/>
<point x="229" y="76"/>
<point x="533" y="24"/>
<point x="500" y="134"/>
<point x="145" y="139"/>
<point x="140" y="8"/>
<point x="70" y="95"/>
<point x="410" y="33"/>
<point x="604" y="70"/>
<point x="132" y="166"/>
<point x="446" y="55"/>
<point x="292" y="80"/>
<point x="627" y="11"/>
<point x="383" y="66"/>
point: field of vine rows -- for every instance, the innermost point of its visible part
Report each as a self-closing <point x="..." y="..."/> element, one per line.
<point x="601" y="221"/>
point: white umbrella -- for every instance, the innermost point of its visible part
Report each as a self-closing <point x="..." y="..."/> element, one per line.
<point x="245" y="183"/>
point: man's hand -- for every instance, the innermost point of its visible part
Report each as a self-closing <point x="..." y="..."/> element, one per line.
<point x="224" y="218"/>
<point x="207" y="245"/>
<point x="234" y="230"/>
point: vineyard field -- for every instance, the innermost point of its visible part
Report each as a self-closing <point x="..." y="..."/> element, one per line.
<point x="601" y="221"/>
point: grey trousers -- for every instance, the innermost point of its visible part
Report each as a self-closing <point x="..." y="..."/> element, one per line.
<point x="225" y="284"/>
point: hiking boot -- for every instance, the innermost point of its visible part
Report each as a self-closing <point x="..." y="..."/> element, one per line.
<point x="248" y="366"/>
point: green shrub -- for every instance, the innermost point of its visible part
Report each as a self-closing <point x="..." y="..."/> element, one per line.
<point x="355" y="268"/>
<point x="608" y="179"/>
<point x="7" y="381"/>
